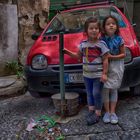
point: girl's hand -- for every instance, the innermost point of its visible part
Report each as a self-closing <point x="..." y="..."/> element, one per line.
<point x="65" y="50"/>
<point x="104" y="78"/>
<point x="110" y="56"/>
<point x="73" y="54"/>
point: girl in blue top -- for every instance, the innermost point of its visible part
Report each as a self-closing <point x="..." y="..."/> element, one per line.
<point x="115" y="44"/>
<point x="95" y="65"/>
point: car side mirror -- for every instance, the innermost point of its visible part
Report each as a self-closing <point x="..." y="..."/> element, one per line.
<point x="35" y="36"/>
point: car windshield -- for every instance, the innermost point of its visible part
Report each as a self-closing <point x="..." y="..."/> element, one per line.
<point x="71" y="22"/>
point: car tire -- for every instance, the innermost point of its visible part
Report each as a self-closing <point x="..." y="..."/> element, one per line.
<point x="35" y="94"/>
<point x="39" y="94"/>
<point x="135" y="90"/>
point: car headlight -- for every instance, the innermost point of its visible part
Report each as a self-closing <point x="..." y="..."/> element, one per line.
<point x="39" y="62"/>
<point x="128" y="55"/>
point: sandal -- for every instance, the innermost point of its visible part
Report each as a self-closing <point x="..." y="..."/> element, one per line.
<point x="92" y="118"/>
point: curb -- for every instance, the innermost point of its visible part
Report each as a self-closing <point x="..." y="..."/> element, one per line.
<point x="11" y="86"/>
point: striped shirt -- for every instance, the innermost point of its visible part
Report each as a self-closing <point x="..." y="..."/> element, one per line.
<point x="92" y="58"/>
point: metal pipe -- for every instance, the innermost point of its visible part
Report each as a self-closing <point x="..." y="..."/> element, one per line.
<point x="62" y="85"/>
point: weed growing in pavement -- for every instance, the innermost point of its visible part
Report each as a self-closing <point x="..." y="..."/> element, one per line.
<point x="13" y="67"/>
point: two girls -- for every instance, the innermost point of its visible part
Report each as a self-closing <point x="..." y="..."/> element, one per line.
<point x="95" y="53"/>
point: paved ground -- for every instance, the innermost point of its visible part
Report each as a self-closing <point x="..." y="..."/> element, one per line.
<point x="15" y="114"/>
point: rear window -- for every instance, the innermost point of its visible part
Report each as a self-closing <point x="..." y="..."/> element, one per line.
<point x="71" y="22"/>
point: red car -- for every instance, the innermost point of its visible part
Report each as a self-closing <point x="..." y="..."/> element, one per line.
<point x="42" y="68"/>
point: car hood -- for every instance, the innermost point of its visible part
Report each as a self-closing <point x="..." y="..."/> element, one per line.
<point x="127" y="37"/>
<point x="130" y="40"/>
<point x="50" y="47"/>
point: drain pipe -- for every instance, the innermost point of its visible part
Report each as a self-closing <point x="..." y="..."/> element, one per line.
<point x="62" y="85"/>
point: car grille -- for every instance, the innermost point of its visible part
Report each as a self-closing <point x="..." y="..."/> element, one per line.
<point x="68" y="68"/>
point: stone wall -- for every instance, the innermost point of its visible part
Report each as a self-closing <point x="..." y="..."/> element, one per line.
<point x="8" y="35"/>
<point x="32" y="17"/>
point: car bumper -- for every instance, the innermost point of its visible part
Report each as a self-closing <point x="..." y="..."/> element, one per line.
<point x="131" y="76"/>
<point x="48" y="80"/>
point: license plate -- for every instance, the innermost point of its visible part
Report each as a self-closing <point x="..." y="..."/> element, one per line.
<point x="74" y="78"/>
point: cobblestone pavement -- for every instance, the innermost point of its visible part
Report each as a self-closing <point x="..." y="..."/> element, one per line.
<point x="16" y="112"/>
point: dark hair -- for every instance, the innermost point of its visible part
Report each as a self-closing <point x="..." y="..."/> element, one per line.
<point x="104" y="22"/>
<point x="91" y="20"/>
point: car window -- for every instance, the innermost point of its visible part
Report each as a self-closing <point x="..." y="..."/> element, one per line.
<point x="70" y="22"/>
<point x="119" y="17"/>
<point x="56" y="26"/>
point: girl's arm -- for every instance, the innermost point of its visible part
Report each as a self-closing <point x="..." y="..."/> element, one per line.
<point x="72" y="54"/>
<point x="105" y="68"/>
<point x="119" y="56"/>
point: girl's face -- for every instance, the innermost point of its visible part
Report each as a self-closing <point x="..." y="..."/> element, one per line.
<point x="93" y="31"/>
<point x="110" y="27"/>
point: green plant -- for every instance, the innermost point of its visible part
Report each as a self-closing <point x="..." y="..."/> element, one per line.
<point x="15" y="68"/>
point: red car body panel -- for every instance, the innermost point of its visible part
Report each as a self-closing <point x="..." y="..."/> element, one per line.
<point x="53" y="54"/>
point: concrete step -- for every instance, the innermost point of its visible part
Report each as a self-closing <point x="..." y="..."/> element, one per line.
<point x="11" y="86"/>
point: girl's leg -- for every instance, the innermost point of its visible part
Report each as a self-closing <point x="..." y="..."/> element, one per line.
<point x="97" y="93"/>
<point x="96" y="87"/>
<point x="90" y="117"/>
<point x="105" y="95"/>
<point x="89" y="89"/>
<point x="113" y="100"/>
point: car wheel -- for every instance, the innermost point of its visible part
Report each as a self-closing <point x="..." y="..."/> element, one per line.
<point x="35" y="94"/>
<point x="135" y="90"/>
<point x="39" y="94"/>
